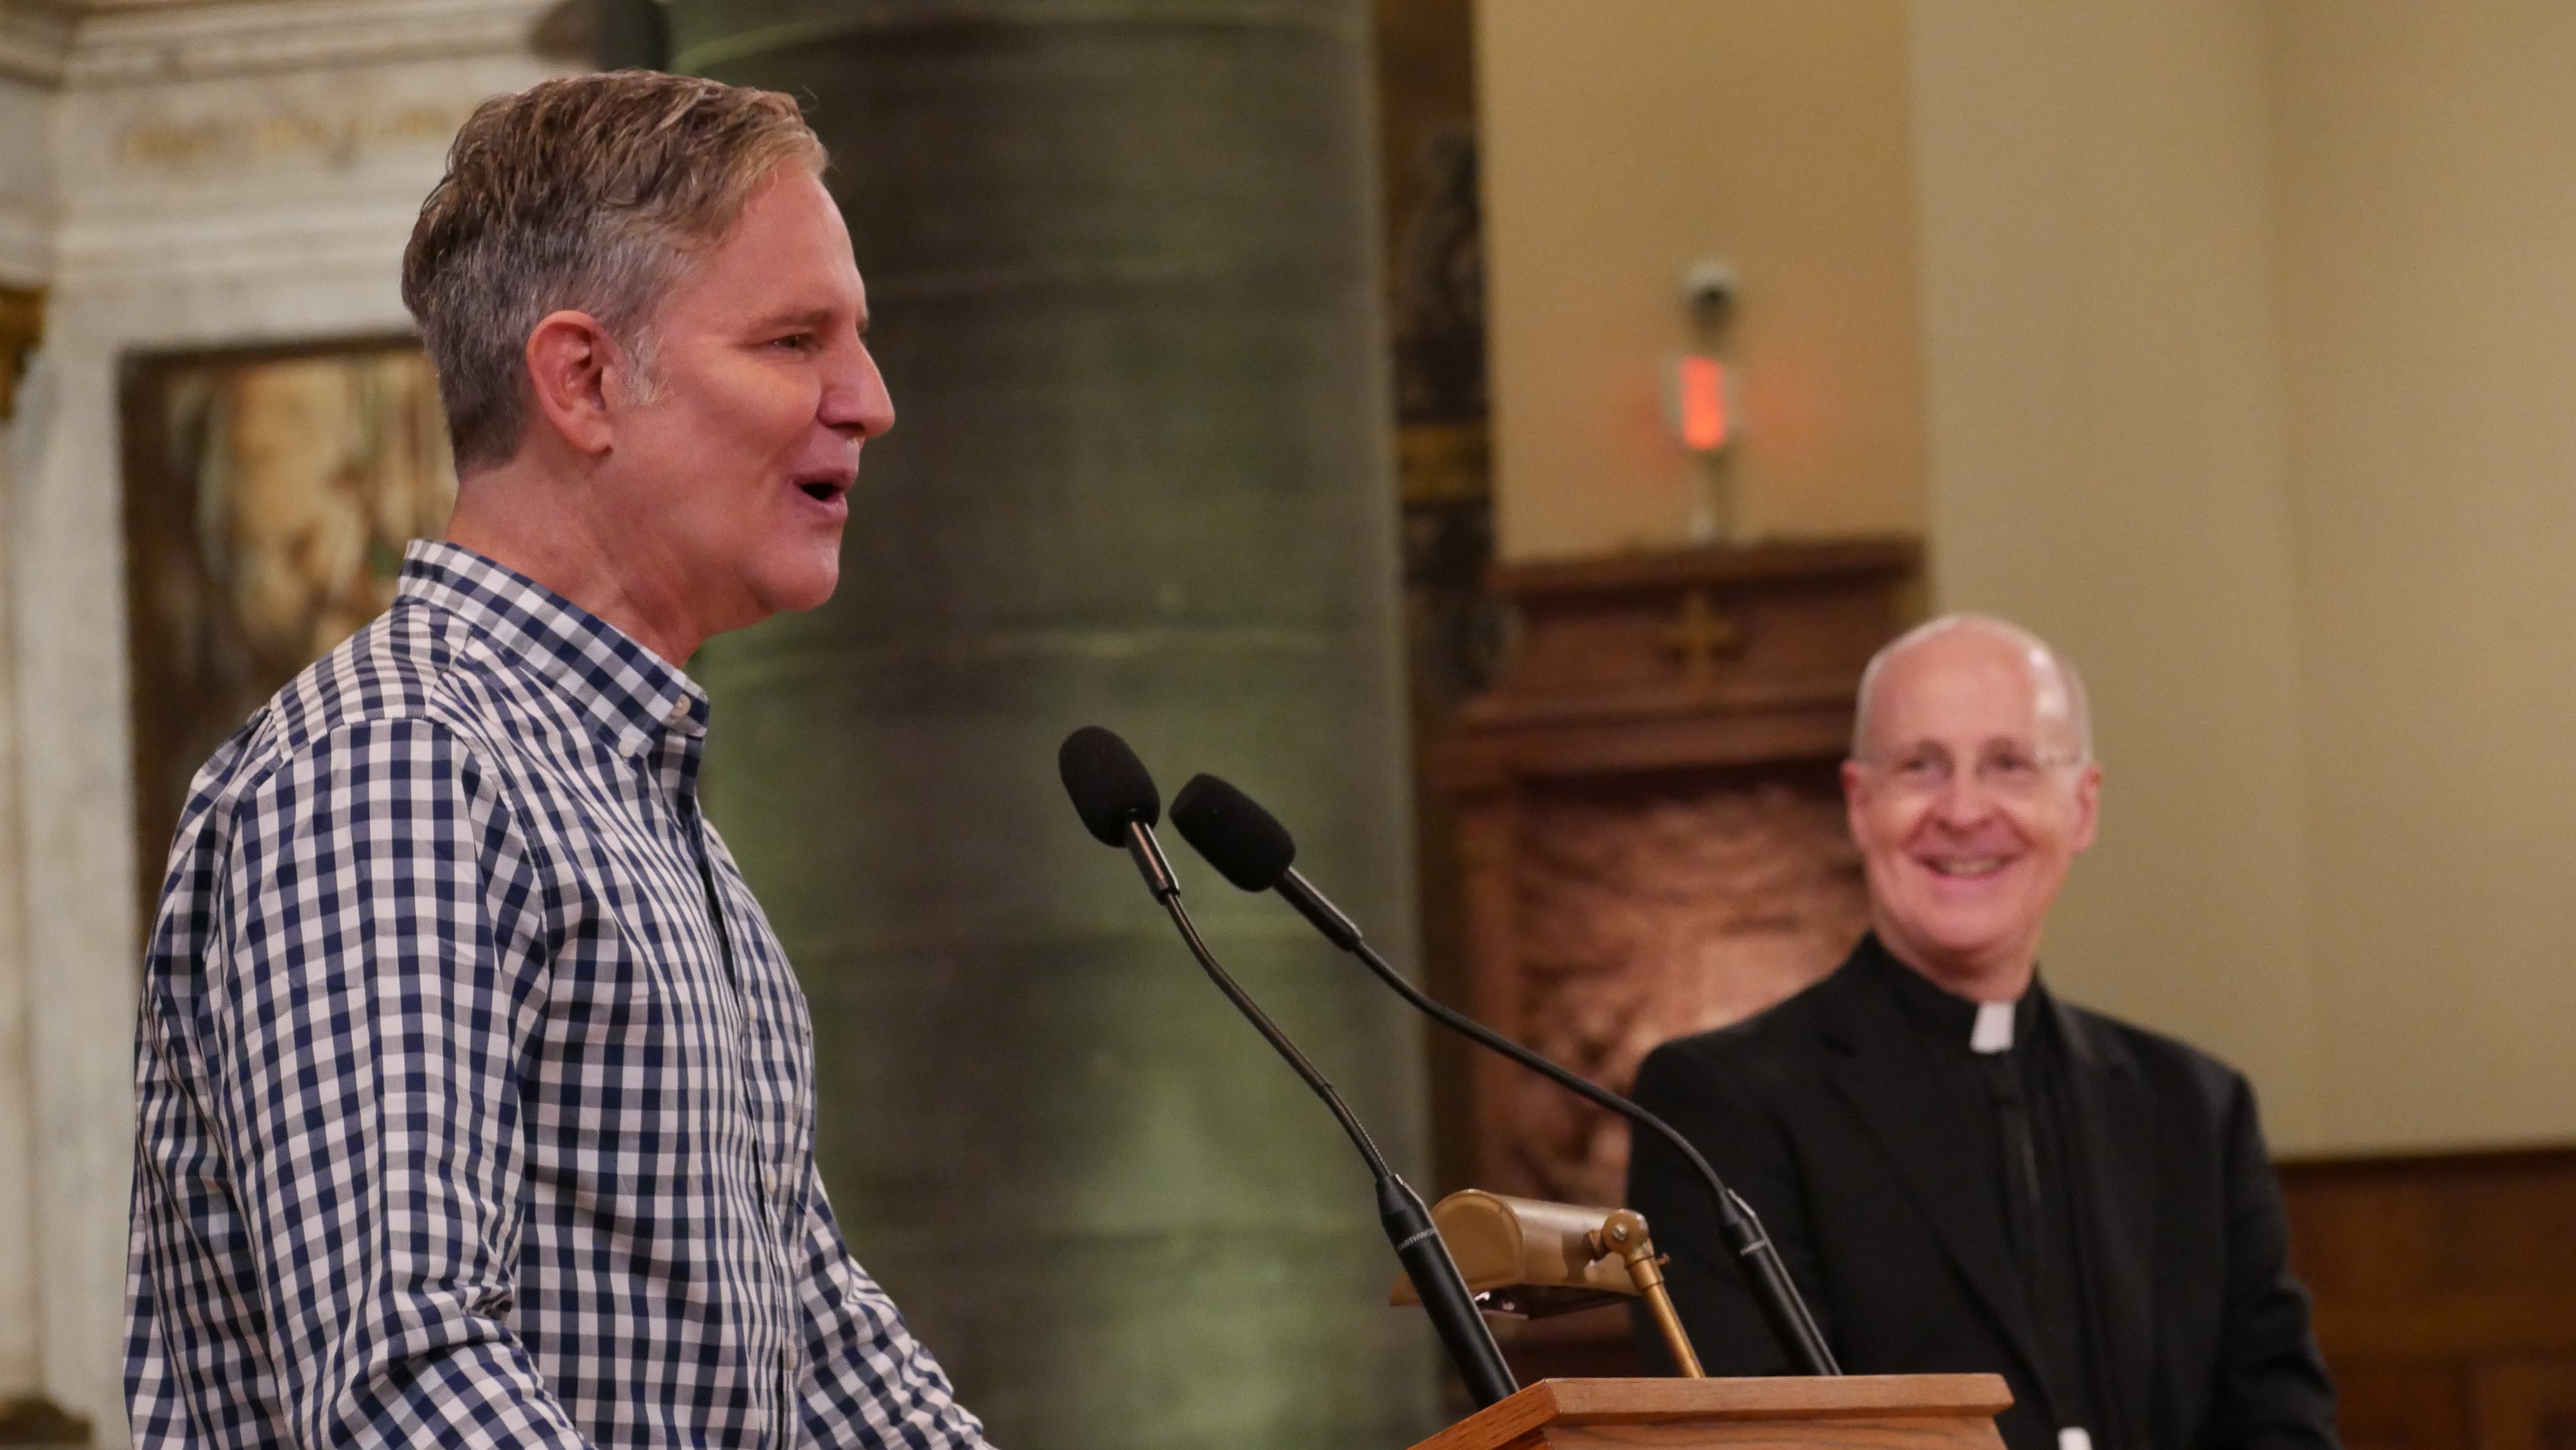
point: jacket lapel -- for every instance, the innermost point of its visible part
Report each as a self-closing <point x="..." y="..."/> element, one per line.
<point x="2115" y="1141"/>
<point x="1881" y="1068"/>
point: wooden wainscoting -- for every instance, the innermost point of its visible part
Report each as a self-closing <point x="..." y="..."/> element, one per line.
<point x="2446" y="1295"/>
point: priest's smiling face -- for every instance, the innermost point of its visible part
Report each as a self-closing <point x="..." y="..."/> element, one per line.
<point x="1970" y="796"/>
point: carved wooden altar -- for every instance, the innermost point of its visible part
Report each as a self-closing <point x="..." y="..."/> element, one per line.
<point x="1650" y="822"/>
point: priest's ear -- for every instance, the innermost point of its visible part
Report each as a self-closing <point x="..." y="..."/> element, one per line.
<point x="2088" y="806"/>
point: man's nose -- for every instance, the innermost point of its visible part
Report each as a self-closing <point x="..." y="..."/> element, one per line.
<point x="855" y="399"/>
<point x="1965" y="797"/>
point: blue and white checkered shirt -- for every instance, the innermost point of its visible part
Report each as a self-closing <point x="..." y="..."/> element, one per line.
<point x="464" y="1121"/>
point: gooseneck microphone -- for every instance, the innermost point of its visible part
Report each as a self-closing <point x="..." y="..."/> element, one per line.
<point x="1119" y="805"/>
<point x="1249" y="847"/>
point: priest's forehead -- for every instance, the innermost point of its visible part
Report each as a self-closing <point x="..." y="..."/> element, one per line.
<point x="2057" y="689"/>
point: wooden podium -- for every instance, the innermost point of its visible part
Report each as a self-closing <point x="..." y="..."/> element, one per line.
<point x="1856" y="1412"/>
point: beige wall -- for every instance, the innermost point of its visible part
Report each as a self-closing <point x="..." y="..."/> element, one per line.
<point x="2241" y="333"/>
<point x="2428" y="299"/>
<point x="1625" y="139"/>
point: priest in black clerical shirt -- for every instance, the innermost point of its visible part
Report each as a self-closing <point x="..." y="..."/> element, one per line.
<point x="1961" y="1172"/>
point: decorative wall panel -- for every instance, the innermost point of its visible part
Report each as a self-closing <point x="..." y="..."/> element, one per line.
<point x="1650" y="823"/>
<point x="269" y="495"/>
<point x="1654" y="910"/>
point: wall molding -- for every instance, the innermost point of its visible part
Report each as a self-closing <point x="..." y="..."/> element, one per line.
<point x="104" y="43"/>
<point x="26" y="248"/>
<point x="36" y="39"/>
<point x="203" y="249"/>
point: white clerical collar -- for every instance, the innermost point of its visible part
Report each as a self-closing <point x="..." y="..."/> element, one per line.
<point x="1994" y="1029"/>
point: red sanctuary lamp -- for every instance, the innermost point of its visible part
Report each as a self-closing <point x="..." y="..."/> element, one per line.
<point x="1703" y="405"/>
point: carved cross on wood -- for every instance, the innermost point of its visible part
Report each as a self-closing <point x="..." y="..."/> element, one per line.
<point x="1701" y="637"/>
<point x="22" y="329"/>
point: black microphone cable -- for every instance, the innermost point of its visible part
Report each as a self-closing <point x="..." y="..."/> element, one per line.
<point x="1249" y="847"/>
<point x="1119" y="805"/>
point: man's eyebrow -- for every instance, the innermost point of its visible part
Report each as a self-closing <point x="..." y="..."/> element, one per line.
<point x="811" y="317"/>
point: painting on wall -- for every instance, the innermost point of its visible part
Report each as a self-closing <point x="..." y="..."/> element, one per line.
<point x="268" y="497"/>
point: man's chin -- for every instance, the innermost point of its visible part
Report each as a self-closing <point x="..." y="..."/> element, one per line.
<point x="808" y="585"/>
<point x="1958" y="939"/>
<point x="1996" y="896"/>
<point x="812" y="597"/>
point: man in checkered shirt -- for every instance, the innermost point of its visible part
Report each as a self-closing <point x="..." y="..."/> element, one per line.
<point x="477" y="1095"/>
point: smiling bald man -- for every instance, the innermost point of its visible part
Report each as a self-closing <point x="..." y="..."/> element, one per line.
<point x="1962" y="1172"/>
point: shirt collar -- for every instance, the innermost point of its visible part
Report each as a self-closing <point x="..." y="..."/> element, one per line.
<point x="1946" y="1018"/>
<point x="629" y="692"/>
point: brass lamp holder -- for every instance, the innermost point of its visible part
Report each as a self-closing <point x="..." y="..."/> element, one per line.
<point x="1624" y="1233"/>
<point x="1527" y="1258"/>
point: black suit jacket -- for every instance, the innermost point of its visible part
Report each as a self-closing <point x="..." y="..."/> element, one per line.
<point x="1824" y="1113"/>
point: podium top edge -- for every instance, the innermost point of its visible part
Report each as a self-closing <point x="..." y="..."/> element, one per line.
<point x="1838" y="1396"/>
<point x="1963" y="1397"/>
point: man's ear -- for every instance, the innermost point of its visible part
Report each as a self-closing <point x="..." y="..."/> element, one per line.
<point x="569" y="356"/>
<point x="2088" y="805"/>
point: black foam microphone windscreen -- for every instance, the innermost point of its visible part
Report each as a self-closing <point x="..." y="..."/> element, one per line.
<point x="1109" y="785"/>
<point x="1245" y="843"/>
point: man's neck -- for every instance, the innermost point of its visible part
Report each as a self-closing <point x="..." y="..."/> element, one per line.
<point x="1997" y="977"/>
<point x="546" y="523"/>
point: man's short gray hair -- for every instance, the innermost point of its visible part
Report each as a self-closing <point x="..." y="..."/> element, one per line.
<point x="591" y="193"/>
<point x="2047" y="667"/>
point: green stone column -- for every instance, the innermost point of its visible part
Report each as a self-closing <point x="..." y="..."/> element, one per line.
<point x="1120" y="255"/>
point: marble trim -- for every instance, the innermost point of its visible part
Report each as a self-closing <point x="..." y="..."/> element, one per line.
<point x="203" y="249"/>
<point x="135" y="42"/>
<point x="26" y="249"/>
<point x="35" y="40"/>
